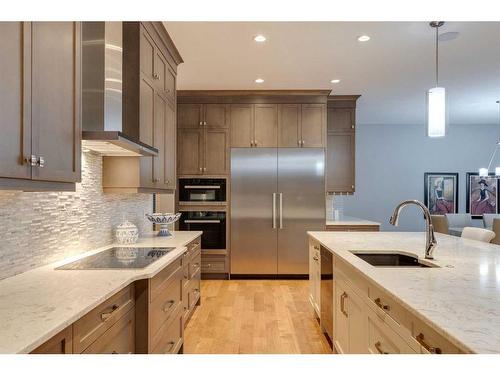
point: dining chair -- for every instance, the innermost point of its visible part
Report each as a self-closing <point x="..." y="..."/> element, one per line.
<point x="440" y="224"/>
<point x="488" y="220"/>
<point x="478" y="234"/>
<point x="496" y="229"/>
<point x="457" y="222"/>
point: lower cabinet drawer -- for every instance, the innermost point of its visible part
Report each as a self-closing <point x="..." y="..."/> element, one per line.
<point x="118" y="339"/>
<point x="163" y="277"/>
<point x="430" y="341"/>
<point x="87" y="329"/>
<point x="193" y="293"/>
<point x="383" y="340"/>
<point x="170" y="337"/>
<point x="386" y="304"/>
<point x="213" y="264"/>
<point x="166" y="304"/>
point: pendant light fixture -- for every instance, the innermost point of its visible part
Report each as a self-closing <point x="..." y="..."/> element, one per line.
<point x="436" y="97"/>
<point x="483" y="172"/>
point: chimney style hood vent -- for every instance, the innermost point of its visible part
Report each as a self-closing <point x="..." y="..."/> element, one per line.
<point x="102" y="93"/>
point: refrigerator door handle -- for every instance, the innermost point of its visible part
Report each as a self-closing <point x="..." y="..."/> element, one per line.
<point x="274" y="210"/>
<point x="281" y="210"/>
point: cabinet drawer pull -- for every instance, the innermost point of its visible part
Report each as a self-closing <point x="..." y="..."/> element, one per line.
<point x="342" y="303"/>
<point x="431" y="349"/>
<point x="379" y="303"/>
<point x="156" y="76"/>
<point x="378" y="346"/>
<point x="315" y="258"/>
<point x="105" y="316"/>
<point x="170" y="303"/>
<point x="316" y="247"/>
<point x="114" y="352"/>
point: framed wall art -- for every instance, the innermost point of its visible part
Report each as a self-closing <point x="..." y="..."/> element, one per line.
<point x="441" y="192"/>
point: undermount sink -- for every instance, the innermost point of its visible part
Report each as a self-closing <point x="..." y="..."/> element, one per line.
<point x="392" y="259"/>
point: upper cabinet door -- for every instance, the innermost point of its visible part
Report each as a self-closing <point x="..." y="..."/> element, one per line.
<point x="148" y="53"/>
<point x="170" y="82"/>
<point x="289" y="125"/>
<point x="55" y="97"/>
<point x="340" y="163"/>
<point x="15" y="141"/>
<point x="189" y="115"/>
<point x="242" y="120"/>
<point x="190" y="151"/>
<point x="341" y="120"/>
<point x="313" y="125"/>
<point x="160" y="73"/>
<point x="170" y="148"/>
<point x="160" y="118"/>
<point x="266" y="125"/>
<point x="216" y="152"/>
<point x="216" y="116"/>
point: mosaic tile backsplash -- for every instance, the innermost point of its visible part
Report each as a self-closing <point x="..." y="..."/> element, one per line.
<point x="41" y="228"/>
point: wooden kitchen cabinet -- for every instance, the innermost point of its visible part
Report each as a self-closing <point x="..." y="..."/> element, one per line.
<point x="302" y="125"/>
<point x="190" y="151"/>
<point x="315" y="277"/>
<point x="203" y="151"/>
<point x="30" y="84"/>
<point x="350" y="330"/>
<point x="203" y="115"/>
<point x="242" y="125"/>
<point x="149" y="95"/>
<point x="265" y="127"/>
<point x="62" y="343"/>
<point x="119" y="339"/>
<point x="341" y="140"/>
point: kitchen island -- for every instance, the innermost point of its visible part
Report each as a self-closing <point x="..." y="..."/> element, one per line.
<point x="451" y="306"/>
<point x="37" y="305"/>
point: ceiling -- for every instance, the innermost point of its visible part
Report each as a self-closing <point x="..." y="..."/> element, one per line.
<point x="392" y="71"/>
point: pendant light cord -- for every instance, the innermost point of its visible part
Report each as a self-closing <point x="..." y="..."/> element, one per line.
<point x="437" y="56"/>
<point x="498" y="142"/>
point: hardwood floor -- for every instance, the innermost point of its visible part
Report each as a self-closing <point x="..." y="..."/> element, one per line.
<point x="254" y="317"/>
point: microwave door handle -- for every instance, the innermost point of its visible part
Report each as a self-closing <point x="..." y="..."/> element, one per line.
<point x="202" y="221"/>
<point x="201" y="187"/>
<point x="274" y="210"/>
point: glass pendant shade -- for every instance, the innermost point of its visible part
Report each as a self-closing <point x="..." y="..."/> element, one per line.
<point x="436" y="112"/>
<point x="483" y="172"/>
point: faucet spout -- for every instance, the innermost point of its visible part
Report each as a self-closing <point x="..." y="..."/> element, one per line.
<point x="430" y="238"/>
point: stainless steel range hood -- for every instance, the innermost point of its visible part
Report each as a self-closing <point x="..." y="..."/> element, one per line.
<point x="102" y="74"/>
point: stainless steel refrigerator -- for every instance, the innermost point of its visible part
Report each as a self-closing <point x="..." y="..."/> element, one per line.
<point x="277" y="195"/>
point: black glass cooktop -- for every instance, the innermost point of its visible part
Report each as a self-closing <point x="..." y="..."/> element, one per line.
<point x="119" y="257"/>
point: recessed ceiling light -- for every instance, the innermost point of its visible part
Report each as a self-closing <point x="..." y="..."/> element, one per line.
<point x="259" y="80"/>
<point x="363" y="38"/>
<point x="335" y="81"/>
<point x="260" y="38"/>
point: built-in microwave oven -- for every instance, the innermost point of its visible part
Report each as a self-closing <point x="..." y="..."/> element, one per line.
<point x="212" y="223"/>
<point x="202" y="190"/>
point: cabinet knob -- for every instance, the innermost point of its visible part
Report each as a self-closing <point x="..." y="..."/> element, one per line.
<point x="352" y="186"/>
<point x="41" y="161"/>
<point x="201" y="123"/>
<point x="205" y="123"/>
<point x="255" y="143"/>
<point x="156" y="76"/>
<point x="156" y="180"/>
<point x="201" y="169"/>
<point x="352" y="126"/>
<point x="167" y="182"/>
<point x="303" y="143"/>
<point x="167" y="91"/>
<point x="204" y="169"/>
<point x="251" y="143"/>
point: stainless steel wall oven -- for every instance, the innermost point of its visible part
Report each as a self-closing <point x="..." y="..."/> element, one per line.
<point x="212" y="223"/>
<point x="202" y="190"/>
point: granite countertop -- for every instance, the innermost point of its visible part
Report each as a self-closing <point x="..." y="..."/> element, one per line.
<point x="350" y="220"/>
<point x="37" y="304"/>
<point x="461" y="299"/>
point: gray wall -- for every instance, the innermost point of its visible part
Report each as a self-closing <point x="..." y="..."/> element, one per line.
<point x="391" y="161"/>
